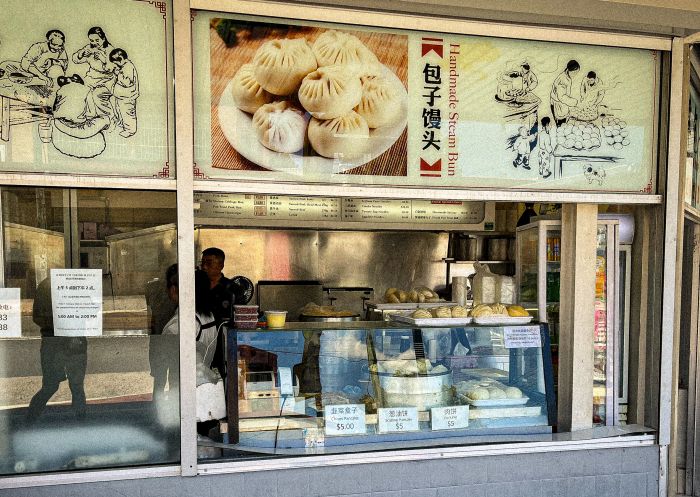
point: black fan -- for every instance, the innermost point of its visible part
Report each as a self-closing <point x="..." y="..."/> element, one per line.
<point x="246" y="289"/>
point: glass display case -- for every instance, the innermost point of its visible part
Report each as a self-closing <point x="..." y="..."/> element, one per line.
<point x="373" y="385"/>
<point x="538" y="268"/>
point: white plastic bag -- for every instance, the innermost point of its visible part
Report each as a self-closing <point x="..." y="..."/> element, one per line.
<point x="505" y="290"/>
<point x="484" y="285"/>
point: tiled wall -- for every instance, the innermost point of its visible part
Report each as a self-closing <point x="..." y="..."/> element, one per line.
<point x="629" y="472"/>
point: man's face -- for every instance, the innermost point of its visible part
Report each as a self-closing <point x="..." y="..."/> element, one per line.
<point x="55" y="42"/>
<point x="212" y="265"/>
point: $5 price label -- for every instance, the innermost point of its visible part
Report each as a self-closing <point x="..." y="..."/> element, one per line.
<point x="345" y="419"/>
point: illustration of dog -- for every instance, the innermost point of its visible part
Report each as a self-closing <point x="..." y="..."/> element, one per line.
<point x="594" y="173"/>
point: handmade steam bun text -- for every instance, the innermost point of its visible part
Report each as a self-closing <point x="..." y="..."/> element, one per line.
<point x="337" y="80"/>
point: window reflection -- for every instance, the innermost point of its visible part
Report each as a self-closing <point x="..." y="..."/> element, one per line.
<point x="102" y="401"/>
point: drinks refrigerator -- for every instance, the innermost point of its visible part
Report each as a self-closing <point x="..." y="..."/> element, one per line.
<point x="538" y="265"/>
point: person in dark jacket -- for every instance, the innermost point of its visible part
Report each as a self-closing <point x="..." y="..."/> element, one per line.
<point x="224" y="294"/>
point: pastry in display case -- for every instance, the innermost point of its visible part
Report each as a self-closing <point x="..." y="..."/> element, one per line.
<point x="356" y="386"/>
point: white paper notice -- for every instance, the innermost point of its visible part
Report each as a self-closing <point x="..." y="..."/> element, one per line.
<point x="449" y="418"/>
<point x="76" y="296"/>
<point x="398" y="419"/>
<point x="10" y="313"/>
<point x="345" y="419"/>
<point x="522" y="337"/>
<point x="285" y="381"/>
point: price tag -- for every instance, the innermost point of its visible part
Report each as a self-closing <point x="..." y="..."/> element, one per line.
<point x="285" y="380"/>
<point x="449" y="418"/>
<point x="522" y="337"/>
<point x="345" y="419"/>
<point x="10" y="313"/>
<point x="398" y="419"/>
<point x="76" y="298"/>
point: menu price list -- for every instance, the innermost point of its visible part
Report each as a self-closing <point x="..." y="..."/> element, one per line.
<point x="282" y="207"/>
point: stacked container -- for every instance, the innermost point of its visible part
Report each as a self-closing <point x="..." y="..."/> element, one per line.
<point x="245" y="316"/>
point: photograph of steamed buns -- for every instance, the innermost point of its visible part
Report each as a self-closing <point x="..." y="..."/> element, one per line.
<point x="325" y="95"/>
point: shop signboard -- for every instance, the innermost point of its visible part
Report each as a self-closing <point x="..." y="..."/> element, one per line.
<point x="86" y="88"/>
<point x="322" y="103"/>
<point x="76" y="302"/>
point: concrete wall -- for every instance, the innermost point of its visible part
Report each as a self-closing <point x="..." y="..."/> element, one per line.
<point x="629" y="472"/>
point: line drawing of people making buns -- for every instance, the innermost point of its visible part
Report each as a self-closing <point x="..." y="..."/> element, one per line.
<point x="76" y="100"/>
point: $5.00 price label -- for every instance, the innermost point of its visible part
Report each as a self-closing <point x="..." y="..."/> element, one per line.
<point x="398" y="419"/>
<point x="345" y="419"/>
<point x="449" y="418"/>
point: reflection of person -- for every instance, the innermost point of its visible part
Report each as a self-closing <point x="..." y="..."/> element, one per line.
<point x="224" y="294"/>
<point x="560" y="97"/>
<point x="47" y="60"/>
<point x="125" y="92"/>
<point x="545" y="148"/>
<point x="206" y="332"/>
<point x="160" y="309"/>
<point x="61" y="358"/>
<point x="96" y="55"/>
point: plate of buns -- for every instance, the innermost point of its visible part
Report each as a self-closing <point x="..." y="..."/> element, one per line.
<point x="313" y="108"/>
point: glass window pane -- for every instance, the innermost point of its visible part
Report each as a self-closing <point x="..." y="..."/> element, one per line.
<point x="88" y="368"/>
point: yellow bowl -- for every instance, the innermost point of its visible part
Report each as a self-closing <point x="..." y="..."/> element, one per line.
<point x="276" y="319"/>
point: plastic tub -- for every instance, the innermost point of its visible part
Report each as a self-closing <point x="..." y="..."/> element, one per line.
<point x="276" y="319"/>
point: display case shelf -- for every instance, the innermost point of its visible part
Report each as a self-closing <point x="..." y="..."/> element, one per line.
<point x="286" y="386"/>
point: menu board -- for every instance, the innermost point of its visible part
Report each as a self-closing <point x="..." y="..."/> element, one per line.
<point x="348" y="210"/>
<point x="309" y="102"/>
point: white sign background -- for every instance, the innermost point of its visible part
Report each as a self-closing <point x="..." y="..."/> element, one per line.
<point x="522" y="337"/>
<point x="76" y="296"/>
<point x="345" y="419"/>
<point x="10" y="313"/>
<point x="449" y="418"/>
<point x="398" y="419"/>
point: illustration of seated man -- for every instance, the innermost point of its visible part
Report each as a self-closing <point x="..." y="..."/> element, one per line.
<point x="47" y="60"/>
<point x="81" y="114"/>
<point x="125" y="92"/>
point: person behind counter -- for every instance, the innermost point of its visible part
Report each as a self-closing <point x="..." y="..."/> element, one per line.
<point x="224" y="293"/>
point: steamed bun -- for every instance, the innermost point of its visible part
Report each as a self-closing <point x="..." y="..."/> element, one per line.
<point x="247" y="92"/>
<point x="330" y="92"/>
<point x="513" y="393"/>
<point x="335" y="47"/>
<point x="380" y="103"/>
<point x="280" y="65"/>
<point x="280" y="126"/>
<point x="479" y="393"/>
<point x="347" y="136"/>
